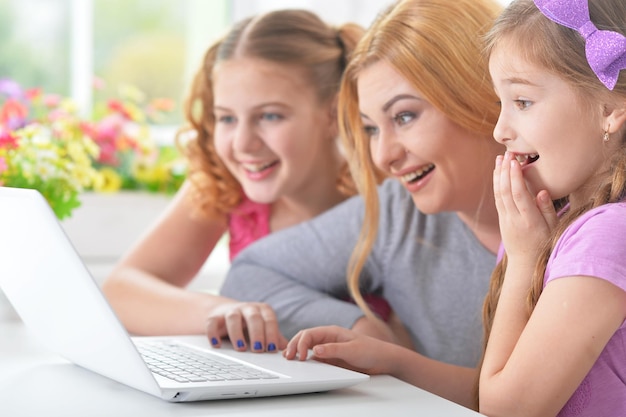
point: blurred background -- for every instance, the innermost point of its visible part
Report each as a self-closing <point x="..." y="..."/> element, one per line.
<point x="153" y="45"/>
<point x="144" y="51"/>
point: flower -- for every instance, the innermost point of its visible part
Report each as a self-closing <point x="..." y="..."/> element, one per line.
<point x="46" y="145"/>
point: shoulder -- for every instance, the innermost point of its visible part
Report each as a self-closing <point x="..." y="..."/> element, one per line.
<point x="592" y="245"/>
<point x="605" y="222"/>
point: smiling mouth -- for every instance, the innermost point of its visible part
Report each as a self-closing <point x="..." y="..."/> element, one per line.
<point x="526" y="159"/>
<point x="418" y="175"/>
<point x="256" y="168"/>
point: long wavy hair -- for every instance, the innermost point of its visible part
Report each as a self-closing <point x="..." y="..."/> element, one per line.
<point x="561" y="51"/>
<point x="293" y="37"/>
<point x="436" y="45"/>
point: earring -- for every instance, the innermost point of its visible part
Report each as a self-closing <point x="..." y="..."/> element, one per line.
<point x="605" y="136"/>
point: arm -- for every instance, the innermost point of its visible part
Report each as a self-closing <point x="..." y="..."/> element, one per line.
<point x="534" y="372"/>
<point x="147" y="287"/>
<point x="535" y="362"/>
<point x="351" y="350"/>
<point x="301" y="271"/>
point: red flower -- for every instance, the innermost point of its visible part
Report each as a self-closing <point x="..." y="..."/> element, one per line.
<point x="7" y="140"/>
<point x="118" y="107"/>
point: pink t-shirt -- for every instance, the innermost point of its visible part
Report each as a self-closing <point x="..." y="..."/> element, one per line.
<point x="595" y="245"/>
<point x="249" y="222"/>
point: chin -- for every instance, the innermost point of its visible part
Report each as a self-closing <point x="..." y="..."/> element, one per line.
<point x="426" y="206"/>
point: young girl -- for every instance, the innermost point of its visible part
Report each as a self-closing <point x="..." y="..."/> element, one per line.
<point x="556" y="309"/>
<point x="263" y="156"/>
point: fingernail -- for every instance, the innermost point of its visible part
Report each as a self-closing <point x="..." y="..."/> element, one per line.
<point x="499" y="160"/>
<point x="271" y="347"/>
<point x="214" y="341"/>
<point x="258" y="346"/>
<point x="240" y="343"/>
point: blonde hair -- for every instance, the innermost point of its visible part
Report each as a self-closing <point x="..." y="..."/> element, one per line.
<point x="293" y="37"/>
<point x="436" y="45"/>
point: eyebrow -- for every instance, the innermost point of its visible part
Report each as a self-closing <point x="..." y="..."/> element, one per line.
<point x="518" y="80"/>
<point x="397" y="98"/>
<point x="259" y="106"/>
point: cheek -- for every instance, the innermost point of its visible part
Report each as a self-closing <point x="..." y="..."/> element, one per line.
<point x="221" y="144"/>
<point x="376" y="157"/>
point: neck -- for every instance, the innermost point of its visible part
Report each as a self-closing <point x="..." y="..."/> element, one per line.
<point x="483" y="222"/>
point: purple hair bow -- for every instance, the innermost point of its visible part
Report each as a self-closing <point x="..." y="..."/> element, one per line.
<point x="605" y="50"/>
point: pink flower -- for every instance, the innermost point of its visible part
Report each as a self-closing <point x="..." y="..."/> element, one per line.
<point x="13" y="114"/>
<point x="98" y="83"/>
<point x="51" y="100"/>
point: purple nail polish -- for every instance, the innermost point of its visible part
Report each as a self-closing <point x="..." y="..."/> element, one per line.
<point x="271" y="347"/>
<point x="214" y="341"/>
<point x="240" y="343"/>
<point x="258" y="346"/>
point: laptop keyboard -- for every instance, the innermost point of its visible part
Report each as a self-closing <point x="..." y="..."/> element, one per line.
<point x="184" y="364"/>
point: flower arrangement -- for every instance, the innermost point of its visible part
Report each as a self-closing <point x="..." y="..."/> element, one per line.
<point x="46" y="145"/>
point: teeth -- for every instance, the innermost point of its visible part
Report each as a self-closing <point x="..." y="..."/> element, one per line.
<point x="257" y="167"/>
<point x="522" y="159"/>
<point x="412" y="176"/>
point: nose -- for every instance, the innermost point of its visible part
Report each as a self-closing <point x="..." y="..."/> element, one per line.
<point x="387" y="151"/>
<point x="503" y="132"/>
<point x="246" y="138"/>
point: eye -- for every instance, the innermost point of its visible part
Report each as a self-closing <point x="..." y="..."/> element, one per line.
<point x="403" y="118"/>
<point x="226" y="119"/>
<point x="272" y="117"/>
<point x="370" y="131"/>
<point x="522" y="104"/>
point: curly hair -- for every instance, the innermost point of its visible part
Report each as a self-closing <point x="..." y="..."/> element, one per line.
<point x="295" y="37"/>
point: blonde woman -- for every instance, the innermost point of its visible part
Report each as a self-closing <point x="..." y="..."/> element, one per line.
<point x="416" y="105"/>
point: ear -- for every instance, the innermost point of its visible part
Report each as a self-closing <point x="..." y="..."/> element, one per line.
<point x="615" y="118"/>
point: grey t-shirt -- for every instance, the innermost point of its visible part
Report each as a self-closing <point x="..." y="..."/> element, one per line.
<point x="430" y="268"/>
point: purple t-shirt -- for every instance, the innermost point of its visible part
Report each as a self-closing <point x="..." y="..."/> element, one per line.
<point x="595" y="245"/>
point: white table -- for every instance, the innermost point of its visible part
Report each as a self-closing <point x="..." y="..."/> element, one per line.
<point x="34" y="382"/>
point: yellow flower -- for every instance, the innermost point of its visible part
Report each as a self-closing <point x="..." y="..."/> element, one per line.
<point x="109" y="181"/>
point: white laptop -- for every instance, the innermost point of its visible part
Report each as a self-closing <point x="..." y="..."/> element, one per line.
<point x="58" y="300"/>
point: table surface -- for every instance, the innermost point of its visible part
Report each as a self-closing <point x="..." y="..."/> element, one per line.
<point x="36" y="382"/>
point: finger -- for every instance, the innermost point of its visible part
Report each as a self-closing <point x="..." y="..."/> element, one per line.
<point x="214" y="330"/>
<point x="338" y="351"/>
<point x="255" y="324"/>
<point x="546" y="207"/>
<point x="273" y="338"/>
<point x="508" y="203"/>
<point x="292" y="346"/>
<point x="234" y="327"/>
<point x="523" y="199"/>
<point x="496" y="184"/>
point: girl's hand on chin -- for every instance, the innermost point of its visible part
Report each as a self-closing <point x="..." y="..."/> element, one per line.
<point x="525" y="220"/>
